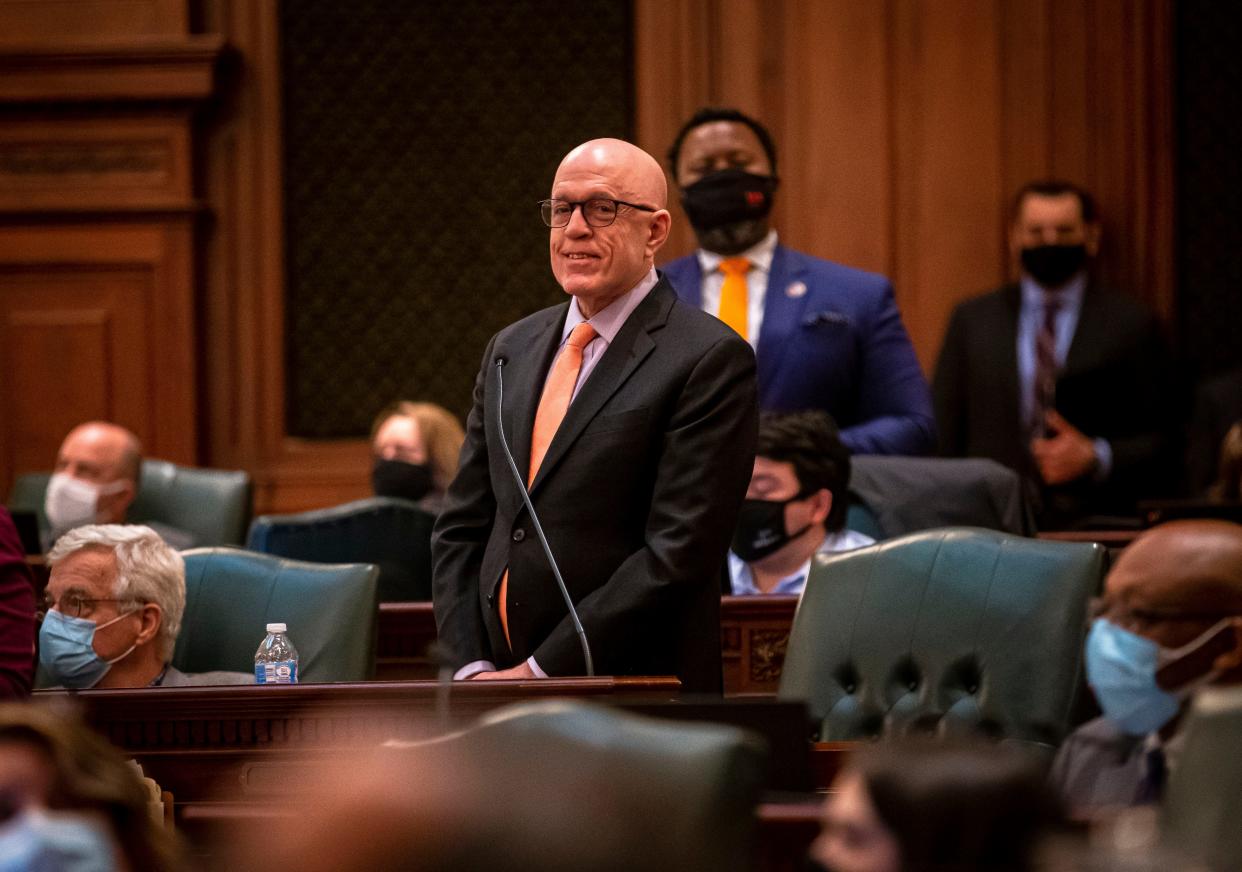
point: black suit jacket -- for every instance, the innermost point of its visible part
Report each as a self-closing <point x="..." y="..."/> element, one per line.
<point x="638" y="495"/>
<point x="1116" y="385"/>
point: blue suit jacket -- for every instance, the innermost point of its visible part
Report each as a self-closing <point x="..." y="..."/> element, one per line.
<point x="840" y="346"/>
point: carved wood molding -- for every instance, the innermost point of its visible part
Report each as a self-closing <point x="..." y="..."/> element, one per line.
<point x="146" y="720"/>
<point x="181" y="69"/>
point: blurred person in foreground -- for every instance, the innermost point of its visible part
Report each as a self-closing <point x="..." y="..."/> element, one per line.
<point x="795" y="506"/>
<point x="70" y="802"/>
<point x="631" y="418"/>
<point x="1169" y="622"/>
<point x="416" y="448"/>
<point x="114" y="601"/>
<point x="95" y="481"/>
<point x="17" y="613"/>
<point x="910" y="806"/>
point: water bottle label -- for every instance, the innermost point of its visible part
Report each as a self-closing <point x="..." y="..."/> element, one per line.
<point x="280" y="672"/>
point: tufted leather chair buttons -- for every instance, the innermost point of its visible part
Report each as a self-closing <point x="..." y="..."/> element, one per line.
<point x="908" y="633"/>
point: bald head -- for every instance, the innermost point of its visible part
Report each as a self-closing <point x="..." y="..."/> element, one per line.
<point x="102" y="453"/>
<point x="597" y="258"/>
<point x="636" y="174"/>
<point x="1184" y="567"/>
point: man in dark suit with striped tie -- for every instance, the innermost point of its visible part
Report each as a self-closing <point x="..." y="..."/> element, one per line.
<point x="1055" y="377"/>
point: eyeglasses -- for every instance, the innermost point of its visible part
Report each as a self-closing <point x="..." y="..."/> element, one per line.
<point x="598" y="211"/>
<point x="77" y="606"/>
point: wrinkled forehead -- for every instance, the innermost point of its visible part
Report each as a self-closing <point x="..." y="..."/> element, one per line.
<point x="610" y="168"/>
<point x="93" y="443"/>
<point x="92" y="569"/>
<point x="1177" y="579"/>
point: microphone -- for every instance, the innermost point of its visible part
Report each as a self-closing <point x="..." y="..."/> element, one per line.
<point x="543" y="540"/>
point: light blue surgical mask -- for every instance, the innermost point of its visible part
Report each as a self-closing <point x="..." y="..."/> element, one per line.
<point x="38" y="841"/>
<point x="1122" y="667"/>
<point x="67" y="649"/>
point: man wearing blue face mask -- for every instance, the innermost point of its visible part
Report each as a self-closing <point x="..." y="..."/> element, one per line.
<point x="114" y="602"/>
<point x="1170" y="622"/>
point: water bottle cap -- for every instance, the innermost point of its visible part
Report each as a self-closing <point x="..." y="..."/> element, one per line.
<point x="277" y="628"/>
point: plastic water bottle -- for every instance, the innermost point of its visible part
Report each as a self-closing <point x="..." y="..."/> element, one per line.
<point x="276" y="661"/>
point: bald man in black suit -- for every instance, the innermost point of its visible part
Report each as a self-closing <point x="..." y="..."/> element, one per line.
<point x="639" y="488"/>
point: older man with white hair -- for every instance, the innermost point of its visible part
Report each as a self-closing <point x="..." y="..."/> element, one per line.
<point x="115" y="599"/>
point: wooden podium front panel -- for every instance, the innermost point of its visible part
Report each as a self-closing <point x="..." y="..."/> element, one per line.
<point x="94" y="323"/>
<point x="754" y="633"/>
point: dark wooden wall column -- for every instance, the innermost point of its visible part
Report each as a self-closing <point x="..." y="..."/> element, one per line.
<point x="98" y="216"/>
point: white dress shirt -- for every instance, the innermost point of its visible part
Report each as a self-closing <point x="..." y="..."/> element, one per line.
<point x="760" y="257"/>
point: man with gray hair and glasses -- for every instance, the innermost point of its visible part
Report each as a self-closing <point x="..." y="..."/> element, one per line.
<point x="114" y="603"/>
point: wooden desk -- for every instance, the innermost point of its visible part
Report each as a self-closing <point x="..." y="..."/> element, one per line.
<point x="754" y="632"/>
<point x="406" y="632"/>
<point x="193" y="740"/>
<point x="225" y="753"/>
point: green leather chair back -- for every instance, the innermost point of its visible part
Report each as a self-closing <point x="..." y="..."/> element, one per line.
<point x="893" y="496"/>
<point x="212" y="505"/>
<point x="1200" y="813"/>
<point x="956" y="630"/>
<point x="590" y="787"/>
<point x="231" y="595"/>
<point x="393" y="534"/>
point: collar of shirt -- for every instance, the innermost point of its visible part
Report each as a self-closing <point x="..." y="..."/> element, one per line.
<point x="743" y="580"/>
<point x="1070" y="295"/>
<point x="760" y="255"/>
<point x="609" y="320"/>
<point x="607" y="323"/>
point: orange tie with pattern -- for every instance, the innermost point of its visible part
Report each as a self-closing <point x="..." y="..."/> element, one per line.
<point x="733" y="303"/>
<point x="553" y="405"/>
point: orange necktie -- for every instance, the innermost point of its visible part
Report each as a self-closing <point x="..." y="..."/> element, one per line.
<point x="733" y="303"/>
<point x="557" y="392"/>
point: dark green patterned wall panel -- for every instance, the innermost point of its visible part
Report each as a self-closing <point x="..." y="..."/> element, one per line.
<point x="418" y="136"/>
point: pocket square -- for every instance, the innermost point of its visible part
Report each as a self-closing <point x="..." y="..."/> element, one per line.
<point x="815" y="319"/>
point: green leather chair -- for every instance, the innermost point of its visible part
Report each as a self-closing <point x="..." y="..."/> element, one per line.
<point x="593" y="788"/>
<point x="212" y="505"/>
<point x="394" y="534"/>
<point x="950" y="631"/>
<point x="231" y="595"/>
<point x="1200" y="809"/>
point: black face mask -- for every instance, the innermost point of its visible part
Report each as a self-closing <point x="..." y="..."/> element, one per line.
<point x="728" y="197"/>
<point x="761" y="528"/>
<point x="1053" y="265"/>
<point x="396" y="478"/>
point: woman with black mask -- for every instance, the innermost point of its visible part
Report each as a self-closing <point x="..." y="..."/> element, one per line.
<point x="415" y="447"/>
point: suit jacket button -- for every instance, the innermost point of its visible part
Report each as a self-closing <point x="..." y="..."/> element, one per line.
<point x="519" y="534"/>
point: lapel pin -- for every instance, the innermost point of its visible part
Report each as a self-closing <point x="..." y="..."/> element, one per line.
<point x="795" y="290"/>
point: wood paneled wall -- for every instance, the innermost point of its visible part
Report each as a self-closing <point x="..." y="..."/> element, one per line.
<point x="904" y="127"/>
<point x="98" y="216"/>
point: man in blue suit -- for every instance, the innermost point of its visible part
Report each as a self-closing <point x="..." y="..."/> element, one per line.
<point x="826" y="336"/>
